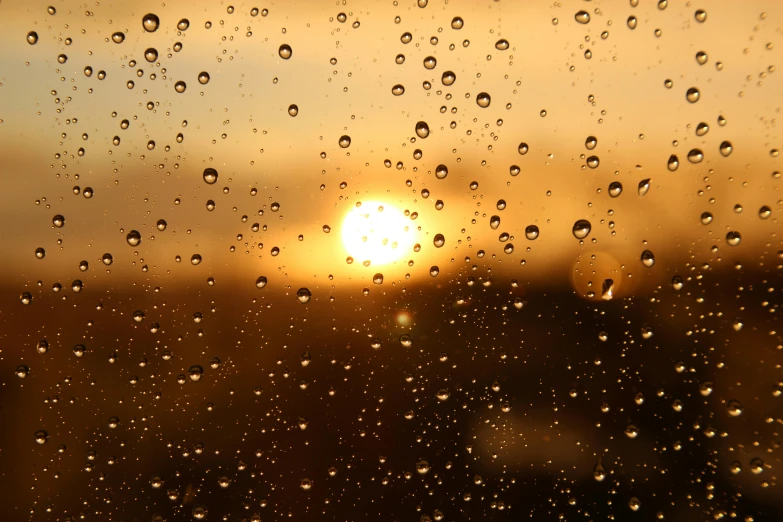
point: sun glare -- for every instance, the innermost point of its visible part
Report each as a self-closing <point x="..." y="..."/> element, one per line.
<point x="378" y="233"/>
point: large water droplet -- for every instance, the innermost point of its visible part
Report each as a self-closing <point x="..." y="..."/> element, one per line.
<point x="648" y="258"/>
<point x="643" y="187"/>
<point x="345" y="141"/>
<point x="32" y="38"/>
<point x="692" y="95"/>
<point x="439" y="240"/>
<point x="531" y="232"/>
<point x="133" y="238"/>
<point x="501" y="45"/>
<point x="285" y="51"/>
<point x="483" y="100"/>
<point x="695" y="156"/>
<point x="150" y="22"/>
<point x="303" y="295"/>
<point x="581" y="229"/>
<point x="673" y="163"/>
<point x="422" y="129"/>
<point x="582" y="17"/>
<point x="733" y="238"/>
<point x="210" y="176"/>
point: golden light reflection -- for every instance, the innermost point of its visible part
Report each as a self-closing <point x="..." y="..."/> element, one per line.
<point x="377" y="232"/>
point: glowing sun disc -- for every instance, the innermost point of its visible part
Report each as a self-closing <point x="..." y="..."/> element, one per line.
<point x="377" y="232"/>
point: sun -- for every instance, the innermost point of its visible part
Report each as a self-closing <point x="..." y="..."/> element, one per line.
<point x="377" y="233"/>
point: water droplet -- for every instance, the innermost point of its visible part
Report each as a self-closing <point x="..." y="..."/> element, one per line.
<point x="633" y="502"/>
<point x="631" y="22"/>
<point x="702" y="129"/>
<point x="423" y="467"/>
<point x="150" y="22"/>
<point x="483" y="100"/>
<point x="203" y="78"/>
<point x="501" y="45"/>
<point x="599" y="472"/>
<point x="615" y="189"/>
<point x="293" y="110"/>
<point x="303" y="295"/>
<point x="345" y="141"/>
<point x="422" y="129"/>
<point x="448" y="78"/>
<point x="118" y="37"/>
<point x="398" y="90"/>
<point x="441" y="171"/>
<point x="430" y="62"/>
<point x="40" y="253"/>
<point x="692" y="95"/>
<point x="133" y="238"/>
<point x="701" y="57"/>
<point x="195" y="259"/>
<point x="457" y="23"/>
<point x="494" y="222"/>
<point x="734" y="408"/>
<point x="648" y="258"/>
<point x="591" y="142"/>
<point x="434" y="271"/>
<point x="582" y="17"/>
<point x="643" y="187"/>
<point x="531" y="232"/>
<point x="41" y="437"/>
<point x="695" y="156"/>
<point x="43" y="346"/>
<point x="406" y="38"/>
<point x="631" y="431"/>
<point x="706" y="218"/>
<point x="673" y="163"/>
<point x="151" y="55"/>
<point x="522" y="149"/>
<point x="443" y="394"/>
<point x="114" y="422"/>
<point x="501" y="204"/>
<point x="439" y="240"/>
<point x="58" y="221"/>
<point x="180" y="87"/>
<point x="285" y="51"/>
<point x="195" y="373"/>
<point x="765" y="212"/>
<point x="183" y="24"/>
<point x="593" y="162"/>
<point x="306" y="484"/>
<point x="26" y="298"/>
<point x="677" y="283"/>
<point x="210" y="176"/>
<point x="726" y="149"/>
<point x="581" y="229"/>
<point x="32" y="38"/>
<point x="700" y="15"/>
<point x="733" y="238"/>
